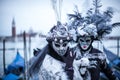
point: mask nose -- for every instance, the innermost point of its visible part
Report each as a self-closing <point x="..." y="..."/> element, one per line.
<point x="84" y="43"/>
<point x="61" y="47"/>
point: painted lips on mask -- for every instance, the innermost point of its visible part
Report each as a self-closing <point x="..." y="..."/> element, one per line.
<point x="84" y="46"/>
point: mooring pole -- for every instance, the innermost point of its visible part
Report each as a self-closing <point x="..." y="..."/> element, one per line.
<point x="4" y="56"/>
<point x="25" y="55"/>
<point x="118" y="47"/>
<point x="30" y="47"/>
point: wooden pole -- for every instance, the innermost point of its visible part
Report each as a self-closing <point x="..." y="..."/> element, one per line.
<point x="118" y="47"/>
<point x="30" y="47"/>
<point x="25" y="55"/>
<point x="4" y="55"/>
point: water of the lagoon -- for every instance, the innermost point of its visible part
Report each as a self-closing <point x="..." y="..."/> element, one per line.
<point x="11" y="54"/>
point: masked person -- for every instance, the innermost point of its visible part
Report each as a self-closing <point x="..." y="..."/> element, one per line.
<point x="94" y="60"/>
<point x="56" y="59"/>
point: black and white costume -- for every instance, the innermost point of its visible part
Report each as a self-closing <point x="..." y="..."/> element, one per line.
<point x="94" y="26"/>
<point x="55" y="61"/>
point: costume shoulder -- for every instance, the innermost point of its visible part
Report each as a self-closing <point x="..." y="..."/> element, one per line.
<point x="94" y="50"/>
<point x="37" y="61"/>
<point x="98" y="54"/>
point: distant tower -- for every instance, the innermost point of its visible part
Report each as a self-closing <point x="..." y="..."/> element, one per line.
<point x="13" y="28"/>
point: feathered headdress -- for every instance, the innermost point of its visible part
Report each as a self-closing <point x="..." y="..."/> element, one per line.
<point x="57" y="7"/>
<point x="87" y="30"/>
<point x="60" y="30"/>
<point x="102" y="22"/>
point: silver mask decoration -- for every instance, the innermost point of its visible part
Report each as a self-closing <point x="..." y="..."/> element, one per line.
<point x="60" y="47"/>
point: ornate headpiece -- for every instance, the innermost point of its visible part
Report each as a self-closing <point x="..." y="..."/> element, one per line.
<point x="59" y="32"/>
<point x="87" y="30"/>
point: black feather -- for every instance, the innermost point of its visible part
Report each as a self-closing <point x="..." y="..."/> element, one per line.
<point x="117" y="24"/>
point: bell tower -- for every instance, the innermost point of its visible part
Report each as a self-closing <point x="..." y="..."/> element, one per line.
<point x="13" y="28"/>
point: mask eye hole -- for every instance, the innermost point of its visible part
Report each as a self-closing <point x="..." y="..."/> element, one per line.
<point x="57" y="45"/>
<point x="65" y="44"/>
<point x="81" y="40"/>
<point x="88" y="40"/>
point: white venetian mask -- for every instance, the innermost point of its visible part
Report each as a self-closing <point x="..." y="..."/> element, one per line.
<point x="84" y="42"/>
<point x="60" y="47"/>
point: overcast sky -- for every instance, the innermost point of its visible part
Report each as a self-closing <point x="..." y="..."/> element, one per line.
<point x="39" y="15"/>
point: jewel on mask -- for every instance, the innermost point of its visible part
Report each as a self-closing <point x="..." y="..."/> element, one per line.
<point x="68" y="38"/>
<point x="55" y="39"/>
<point x="61" y="41"/>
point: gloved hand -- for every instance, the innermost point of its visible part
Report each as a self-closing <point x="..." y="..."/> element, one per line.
<point x="69" y="63"/>
<point x="36" y="51"/>
<point x="69" y="58"/>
